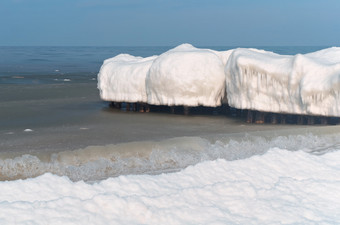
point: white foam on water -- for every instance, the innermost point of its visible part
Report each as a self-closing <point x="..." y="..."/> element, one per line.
<point x="277" y="187"/>
<point x="153" y="157"/>
<point x="28" y="130"/>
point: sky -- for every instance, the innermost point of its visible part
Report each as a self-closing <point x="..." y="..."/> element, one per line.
<point x="169" y="22"/>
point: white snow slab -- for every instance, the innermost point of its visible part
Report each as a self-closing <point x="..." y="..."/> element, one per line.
<point x="122" y="78"/>
<point x="300" y="84"/>
<point x="279" y="187"/>
<point x="186" y="76"/>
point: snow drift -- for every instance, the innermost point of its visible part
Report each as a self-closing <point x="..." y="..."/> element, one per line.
<point x="301" y="84"/>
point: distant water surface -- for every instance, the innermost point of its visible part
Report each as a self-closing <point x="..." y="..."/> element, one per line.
<point x="50" y="64"/>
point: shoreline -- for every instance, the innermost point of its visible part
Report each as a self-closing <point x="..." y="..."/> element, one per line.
<point x="164" y="155"/>
<point x="63" y="117"/>
<point x="67" y="130"/>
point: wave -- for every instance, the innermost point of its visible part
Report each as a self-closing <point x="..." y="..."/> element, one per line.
<point x="154" y="157"/>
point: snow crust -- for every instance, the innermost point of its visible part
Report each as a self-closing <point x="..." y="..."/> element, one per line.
<point x="279" y="187"/>
<point x="299" y="84"/>
<point x="122" y="78"/>
<point x="187" y="76"/>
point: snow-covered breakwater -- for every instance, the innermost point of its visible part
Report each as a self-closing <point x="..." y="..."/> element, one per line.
<point x="246" y="79"/>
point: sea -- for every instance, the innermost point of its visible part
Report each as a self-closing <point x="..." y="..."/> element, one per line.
<point x="67" y="157"/>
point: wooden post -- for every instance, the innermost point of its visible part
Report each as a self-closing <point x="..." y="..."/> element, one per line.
<point x="141" y="107"/>
<point x="323" y="120"/>
<point x="273" y="118"/>
<point x="283" y="119"/>
<point x="134" y="107"/>
<point x="250" y="116"/>
<point x="227" y="109"/>
<point x="147" y="107"/>
<point x="259" y="119"/>
<point x="186" y="110"/>
<point x="310" y="120"/>
<point x="300" y="119"/>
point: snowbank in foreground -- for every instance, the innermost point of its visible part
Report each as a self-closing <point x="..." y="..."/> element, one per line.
<point x="122" y="78"/>
<point x="187" y="76"/>
<point x="300" y="84"/>
<point x="278" y="187"/>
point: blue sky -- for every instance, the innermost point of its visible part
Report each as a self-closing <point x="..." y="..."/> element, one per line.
<point x="170" y="22"/>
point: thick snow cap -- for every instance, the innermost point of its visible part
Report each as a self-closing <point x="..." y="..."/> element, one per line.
<point x="122" y="78"/>
<point x="186" y="76"/>
<point x="300" y="84"/>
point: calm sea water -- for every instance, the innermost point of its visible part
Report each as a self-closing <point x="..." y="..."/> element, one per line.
<point x="36" y="65"/>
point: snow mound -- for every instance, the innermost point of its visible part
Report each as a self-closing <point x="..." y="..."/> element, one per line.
<point x="187" y="76"/>
<point x="122" y="78"/>
<point x="282" y="187"/>
<point x="300" y="84"/>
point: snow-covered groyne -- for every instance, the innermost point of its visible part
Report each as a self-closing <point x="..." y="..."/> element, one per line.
<point x="186" y="76"/>
<point x="301" y="84"/>
<point x="122" y="78"/>
<point x="243" y="78"/>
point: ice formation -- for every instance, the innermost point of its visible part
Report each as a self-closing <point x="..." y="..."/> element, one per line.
<point x="302" y="84"/>
<point x="122" y="78"/>
<point x="307" y="84"/>
<point x="187" y="76"/>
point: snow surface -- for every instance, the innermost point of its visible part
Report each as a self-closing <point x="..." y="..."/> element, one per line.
<point x="300" y="84"/>
<point x="122" y="78"/>
<point x="279" y="187"/>
<point x="187" y="76"/>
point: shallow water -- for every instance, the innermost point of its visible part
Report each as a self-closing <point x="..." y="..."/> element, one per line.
<point x="94" y="163"/>
<point x="51" y="111"/>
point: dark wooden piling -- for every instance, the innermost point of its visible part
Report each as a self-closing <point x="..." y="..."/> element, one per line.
<point x="300" y="119"/>
<point x="250" y="116"/>
<point x="283" y="118"/>
<point x="310" y="120"/>
<point x="144" y="107"/>
<point x="259" y="118"/>
<point x="323" y="120"/>
<point x="186" y="110"/>
<point x="273" y="118"/>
